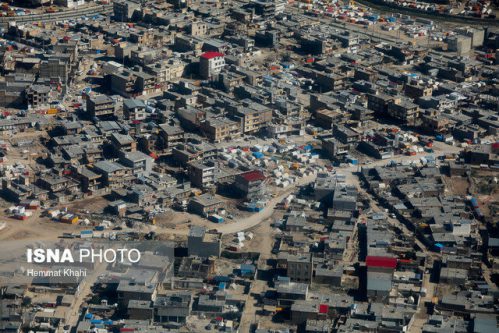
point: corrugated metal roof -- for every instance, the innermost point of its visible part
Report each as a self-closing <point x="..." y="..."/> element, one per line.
<point x="252" y="176"/>
<point x="211" y="55"/>
<point x="378" y="261"/>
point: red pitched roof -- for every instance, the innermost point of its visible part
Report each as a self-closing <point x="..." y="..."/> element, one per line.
<point x="252" y="176"/>
<point x="211" y="55"/>
<point x="384" y="262"/>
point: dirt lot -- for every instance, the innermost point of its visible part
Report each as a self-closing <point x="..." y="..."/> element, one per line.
<point x="456" y="185"/>
<point x="35" y="227"/>
<point x="178" y="220"/>
<point x="92" y="205"/>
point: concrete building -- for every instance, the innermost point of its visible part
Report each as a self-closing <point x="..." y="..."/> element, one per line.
<point x="205" y="204"/>
<point x="134" y="109"/>
<point x="460" y="44"/>
<point x="251" y="184"/>
<point x="55" y="68"/>
<point x="268" y="8"/>
<point x="124" y="10"/>
<point x="405" y="111"/>
<point x="220" y="129"/>
<point x="101" y="106"/>
<point x="175" y="307"/>
<point x="252" y="116"/>
<point x="211" y="64"/>
<point x="202" y="174"/>
<point x="204" y="244"/>
<point x="38" y="96"/>
<point x="70" y="3"/>
<point x="300" y="267"/>
<point x="140" y="163"/>
<point x="137" y="284"/>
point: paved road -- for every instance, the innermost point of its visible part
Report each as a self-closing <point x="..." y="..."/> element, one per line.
<point x="59" y="16"/>
<point x="449" y="18"/>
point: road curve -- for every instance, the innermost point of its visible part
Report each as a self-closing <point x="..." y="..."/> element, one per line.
<point x="250" y="221"/>
<point x="256" y="219"/>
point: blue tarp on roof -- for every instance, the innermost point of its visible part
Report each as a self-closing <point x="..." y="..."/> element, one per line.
<point x="258" y="154"/>
<point x="221" y="278"/>
<point x="247" y="268"/>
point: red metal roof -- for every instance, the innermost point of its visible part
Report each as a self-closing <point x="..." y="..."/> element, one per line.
<point x="405" y="261"/>
<point x="384" y="262"/>
<point x="323" y="308"/>
<point x="253" y="176"/>
<point x="211" y="55"/>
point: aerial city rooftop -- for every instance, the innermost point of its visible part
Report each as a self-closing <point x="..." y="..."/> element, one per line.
<point x="281" y="166"/>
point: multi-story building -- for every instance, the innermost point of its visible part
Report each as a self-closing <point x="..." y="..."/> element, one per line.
<point x="38" y="95"/>
<point x="202" y="174"/>
<point x="137" y="284"/>
<point x="101" y="106"/>
<point x="210" y="64"/>
<point x="415" y="90"/>
<point x="70" y="3"/>
<point x="123" y="142"/>
<point x="55" y="68"/>
<point x="199" y="28"/>
<point x="90" y="181"/>
<point x="251" y="184"/>
<point x="124" y="10"/>
<point x="55" y="183"/>
<point x="115" y="175"/>
<point x="166" y="71"/>
<point x="253" y="116"/>
<point x="173" y="308"/>
<point x="268" y="8"/>
<point x="186" y="153"/>
<point x="379" y="102"/>
<point x="203" y="244"/>
<point x="133" y="83"/>
<point x="134" y="109"/>
<point x="140" y="163"/>
<point x="219" y="129"/>
<point x="345" y="135"/>
<point x="170" y="136"/>
<point x="405" y="111"/>
<point x="299" y="267"/>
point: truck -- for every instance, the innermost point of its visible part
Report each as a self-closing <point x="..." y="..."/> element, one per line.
<point x="86" y="234"/>
<point x="216" y="218"/>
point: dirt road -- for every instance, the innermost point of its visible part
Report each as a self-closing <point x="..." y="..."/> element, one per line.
<point x="264" y="237"/>
<point x="251" y="221"/>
